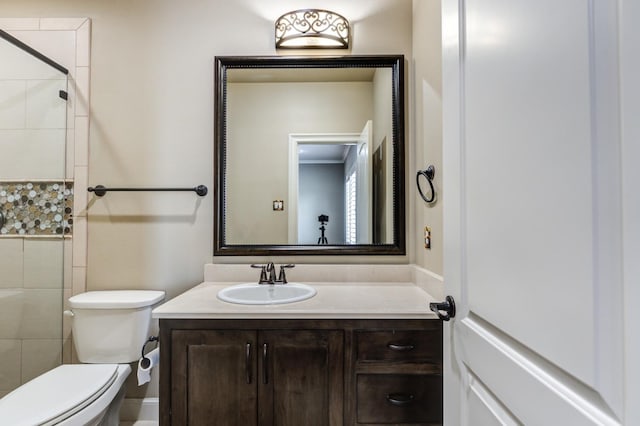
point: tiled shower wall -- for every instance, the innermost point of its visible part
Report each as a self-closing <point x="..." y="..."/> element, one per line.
<point x="30" y="308"/>
<point x="40" y="273"/>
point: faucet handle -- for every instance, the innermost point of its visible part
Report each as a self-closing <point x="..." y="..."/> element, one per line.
<point x="282" y="277"/>
<point x="263" y="273"/>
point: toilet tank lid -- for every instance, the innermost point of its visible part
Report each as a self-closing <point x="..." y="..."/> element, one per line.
<point x="116" y="299"/>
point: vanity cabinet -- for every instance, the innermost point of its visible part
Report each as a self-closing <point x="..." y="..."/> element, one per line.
<point x="321" y="372"/>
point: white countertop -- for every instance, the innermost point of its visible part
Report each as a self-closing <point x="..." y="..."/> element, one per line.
<point x="386" y="300"/>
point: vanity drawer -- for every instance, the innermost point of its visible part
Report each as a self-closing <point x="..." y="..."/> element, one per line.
<point x="394" y="398"/>
<point x="400" y="345"/>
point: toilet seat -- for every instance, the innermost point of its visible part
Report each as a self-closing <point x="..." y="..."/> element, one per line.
<point x="57" y="394"/>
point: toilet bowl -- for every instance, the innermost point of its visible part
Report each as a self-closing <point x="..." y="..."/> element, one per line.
<point x="109" y="329"/>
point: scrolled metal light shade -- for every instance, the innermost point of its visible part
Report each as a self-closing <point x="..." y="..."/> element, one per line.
<point x="312" y="28"/>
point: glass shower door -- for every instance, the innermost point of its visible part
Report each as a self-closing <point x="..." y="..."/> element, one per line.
<point x="35" y="214"/>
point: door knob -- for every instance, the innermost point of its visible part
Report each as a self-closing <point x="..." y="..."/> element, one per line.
<point x="445" y="310"/>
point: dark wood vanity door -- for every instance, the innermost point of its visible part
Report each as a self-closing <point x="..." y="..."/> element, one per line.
<point x="301" y="378"/>
<point x="213" y="377"/>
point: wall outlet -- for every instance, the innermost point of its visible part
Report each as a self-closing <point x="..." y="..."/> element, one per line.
<point x="427" y="237"/>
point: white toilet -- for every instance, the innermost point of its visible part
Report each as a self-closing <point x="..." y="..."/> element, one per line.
<point x="109" y="329"/>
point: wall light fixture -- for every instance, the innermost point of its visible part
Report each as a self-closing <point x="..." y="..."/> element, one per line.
<point x="312" y="29"/>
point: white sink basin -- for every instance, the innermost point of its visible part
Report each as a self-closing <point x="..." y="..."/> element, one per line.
<point x="266" y="294"/>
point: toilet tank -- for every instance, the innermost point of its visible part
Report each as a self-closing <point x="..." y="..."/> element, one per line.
<point x="111" y="326"/>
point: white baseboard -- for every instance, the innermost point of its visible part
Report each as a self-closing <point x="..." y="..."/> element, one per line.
<point x="140" y="409"/>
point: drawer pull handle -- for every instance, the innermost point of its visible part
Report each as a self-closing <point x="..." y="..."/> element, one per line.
<point x="400" y="399"/>
<point x="248" y="363"/>
<point x="265" y="363"/>
<point x="400" y="347"/>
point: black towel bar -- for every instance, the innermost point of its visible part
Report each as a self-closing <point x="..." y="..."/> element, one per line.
<point x="100" y="190"/>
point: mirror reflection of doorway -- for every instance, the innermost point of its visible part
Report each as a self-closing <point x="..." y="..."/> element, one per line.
<point x="321" y="191"/>
<point x="330" y="174"/>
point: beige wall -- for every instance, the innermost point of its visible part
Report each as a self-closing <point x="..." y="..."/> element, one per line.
<point x="152" y="120"/>
<point x="427" y="128"/>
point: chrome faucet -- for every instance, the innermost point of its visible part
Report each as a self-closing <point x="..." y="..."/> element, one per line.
<point x="268" y="273"/>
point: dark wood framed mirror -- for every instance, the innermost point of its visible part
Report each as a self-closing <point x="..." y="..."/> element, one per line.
<point x="309" y="155"/>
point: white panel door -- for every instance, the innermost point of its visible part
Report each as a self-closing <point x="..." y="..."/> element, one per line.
<point x="534" y="244"/>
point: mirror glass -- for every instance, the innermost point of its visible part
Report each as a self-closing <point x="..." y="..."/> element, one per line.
<point x="309" y="155"/>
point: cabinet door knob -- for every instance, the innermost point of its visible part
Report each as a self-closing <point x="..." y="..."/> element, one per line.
<point x="400" y="399"/>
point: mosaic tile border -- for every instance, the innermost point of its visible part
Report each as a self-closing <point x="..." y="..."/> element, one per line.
<point x="36" y="208"/>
